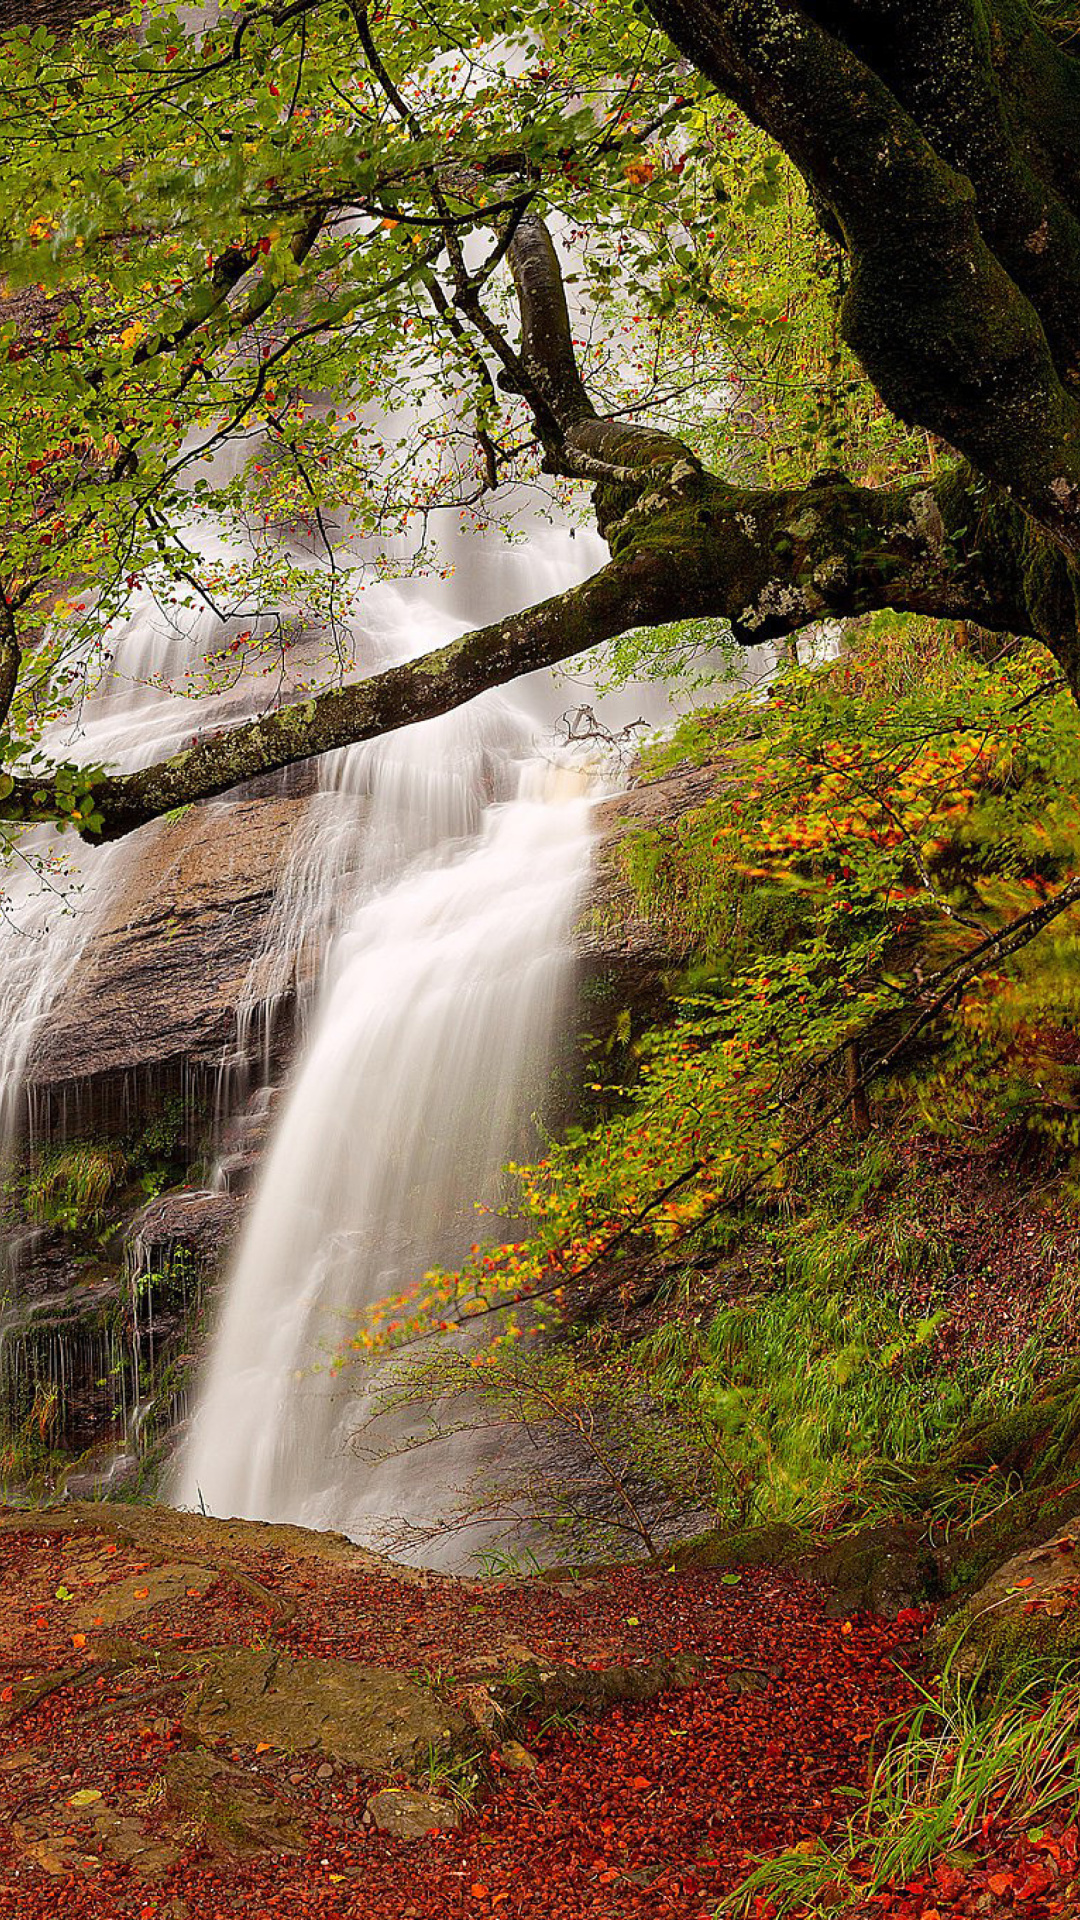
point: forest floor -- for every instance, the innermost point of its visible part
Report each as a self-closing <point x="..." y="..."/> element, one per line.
<point x="121" y="1794"/>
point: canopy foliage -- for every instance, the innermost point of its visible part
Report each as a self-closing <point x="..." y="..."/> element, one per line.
<point x="203" y="227"/>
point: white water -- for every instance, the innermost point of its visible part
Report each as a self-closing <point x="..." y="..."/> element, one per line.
<point x="427" y="915"/>
<point x="450" y="858"/>
<point x="431" y="1039"/>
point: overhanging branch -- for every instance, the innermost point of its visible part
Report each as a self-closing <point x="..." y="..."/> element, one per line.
<point x="690" y="547"/>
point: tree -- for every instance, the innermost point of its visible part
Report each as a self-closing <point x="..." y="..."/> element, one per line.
<point x="204" y="226"/>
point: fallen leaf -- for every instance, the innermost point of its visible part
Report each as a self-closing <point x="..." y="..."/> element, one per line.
<point x="78" y="1639"/>
<point x="85" y="1797"/>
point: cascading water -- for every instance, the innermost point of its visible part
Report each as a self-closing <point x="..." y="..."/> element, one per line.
<point x="459" y="853"/>
<point x="434" y="888"/>
<point x="56" y="890"/>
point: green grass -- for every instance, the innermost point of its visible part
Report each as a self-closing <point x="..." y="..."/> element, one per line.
<point x="950" y="1765"/>
<point x="826" y="1393"/>
<point x="71" y="1186"/>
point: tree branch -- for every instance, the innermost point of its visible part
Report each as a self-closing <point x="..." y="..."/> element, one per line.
<point x="949" y="339"/>
<point x="689" y="547"/>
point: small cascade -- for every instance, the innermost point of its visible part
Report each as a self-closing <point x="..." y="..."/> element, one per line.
<point x="67" y="1385"/>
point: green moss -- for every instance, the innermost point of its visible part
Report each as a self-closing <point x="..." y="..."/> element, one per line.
<point x="775" y="1545"/>
<point x="1005" y="1650"/>
<point x="70" y="1186"/>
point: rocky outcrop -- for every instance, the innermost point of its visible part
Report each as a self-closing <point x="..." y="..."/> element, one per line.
<point x="613" y="933"/>
<point x="1025" y="1619"/>
<point x="155" y="1005"/>
<point x="371" y="1717"/>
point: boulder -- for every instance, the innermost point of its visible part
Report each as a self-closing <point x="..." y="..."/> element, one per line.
<point x="370" y="1717"/>
<point x="1025" y="1619"/>
<point x="878" y="1569"/>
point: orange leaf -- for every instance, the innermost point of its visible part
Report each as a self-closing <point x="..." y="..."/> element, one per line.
<point x="142" y="1593"/>
<point x="639" y="1784"/>
<point x="78" y="1639"/>
<point x="478" y="1890"/>
<point x="263" y="1746"/>
<point x="1000" y="1883"/>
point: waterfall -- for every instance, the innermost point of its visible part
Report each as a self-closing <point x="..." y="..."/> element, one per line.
<point x="426" y="917"/>
<point x="450" y="858"/>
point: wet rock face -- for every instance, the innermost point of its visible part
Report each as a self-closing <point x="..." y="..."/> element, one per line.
<point x="155" y="1002"/>
<point x="148" y="1029"/>
<point x="612" y="931"/>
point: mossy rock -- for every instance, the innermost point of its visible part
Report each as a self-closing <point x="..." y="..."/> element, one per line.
<point x="240" y="1817"/>
<point x="775" y="1545"/>
<point x="1023" y="1623"/>
<point x="1039" y="1440"/>
<point x="879" y="1569"/>
<point x="969" y="1557"/>
<point x="370" y="1717"/>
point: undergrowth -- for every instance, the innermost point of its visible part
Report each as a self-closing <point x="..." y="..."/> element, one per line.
<point x="70" y="1186"/>
<point x="956" y="1768"/>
